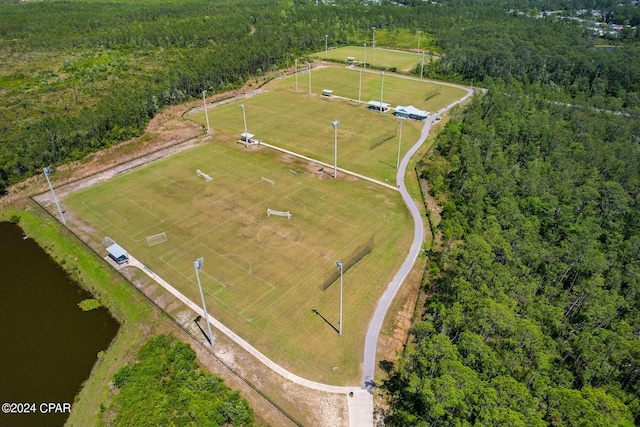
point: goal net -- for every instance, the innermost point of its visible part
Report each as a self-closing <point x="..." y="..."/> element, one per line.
<point x="204" y="175"/>
<point x="107" y="241"/>
<point x="268" y="181"/>
<point x="156" y="238"/>
<point x="278" y="213"/>
<point x="361" y="251"/>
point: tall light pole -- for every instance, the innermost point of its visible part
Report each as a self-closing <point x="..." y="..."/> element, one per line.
<point x="335" y="124"/>
<point x="374" y="46"/>
<point x="381" y="91"/>
<point x="399" y="143"/>
<point x="360" y="87"/>
<point x="422" y="66"/>
<point x="326" y="46"/>
<point x="296" y="75"/>
<point x="364" y="66"/>
<point x="197" y="264"/>
<point x="244" y="118"/>
<point x="419" y="34"/>
<point x="204" y="100"/>
<point x="309" y="64"/>
<point x="47" y="171"/>
<point x="339" y="265"/>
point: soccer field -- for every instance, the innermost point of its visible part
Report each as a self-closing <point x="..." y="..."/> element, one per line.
<point x="263" y="275"/>
<point x="367" y="140"/>
<point x="387" y="58"/>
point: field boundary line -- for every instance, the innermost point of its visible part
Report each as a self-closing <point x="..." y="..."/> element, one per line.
<point x="357" y="175"/>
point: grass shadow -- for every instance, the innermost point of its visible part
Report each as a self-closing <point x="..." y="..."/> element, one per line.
<point x="388" y="164"/>
<point x="323" y="318"/>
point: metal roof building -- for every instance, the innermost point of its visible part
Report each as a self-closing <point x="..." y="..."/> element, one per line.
<point x="410" y="112"/>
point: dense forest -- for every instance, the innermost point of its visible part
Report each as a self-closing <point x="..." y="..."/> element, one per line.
<point x="533" y="284"/>
<point x="534" y="290"/>
<point x="83" y="75"/>
<point x="175" y="391"/>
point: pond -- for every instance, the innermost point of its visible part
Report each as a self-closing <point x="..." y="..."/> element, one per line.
<point x="48" y="344"/>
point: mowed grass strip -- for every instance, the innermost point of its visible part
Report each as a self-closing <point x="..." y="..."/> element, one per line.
<point x="367" y="140"/>
<point x="387" y="58"/>
<point x="262" y="275"/>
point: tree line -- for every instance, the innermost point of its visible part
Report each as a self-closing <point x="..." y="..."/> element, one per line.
<point x="533" y="289"/>
<point x="532" y="314"/>
<point x="107" y="68"/>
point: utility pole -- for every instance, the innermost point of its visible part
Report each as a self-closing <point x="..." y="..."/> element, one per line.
<point x="335" y="124"/>
<point x="197" y="264"/>
<point x="326" y="46"/>
<point x="204" y="100"/>
<point x="399" y="143"/>
<point x="47" y="171"/>
<point x="339" y="265"/>
<point x="381" y="91"/>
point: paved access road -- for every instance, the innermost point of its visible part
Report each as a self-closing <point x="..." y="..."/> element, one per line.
<point x="371" y="341"/>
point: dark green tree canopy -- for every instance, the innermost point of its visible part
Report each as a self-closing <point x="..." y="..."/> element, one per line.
<point x="165" y="387"/>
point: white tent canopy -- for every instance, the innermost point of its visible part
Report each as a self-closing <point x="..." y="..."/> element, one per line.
<point x="379" y="105"/>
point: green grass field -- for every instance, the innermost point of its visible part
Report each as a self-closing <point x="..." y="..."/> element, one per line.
<point x="262" y="275"/>
<point x="387" y="58"/>
<point x="367" y="140"/>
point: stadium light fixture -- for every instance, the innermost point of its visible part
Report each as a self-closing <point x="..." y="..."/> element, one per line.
<point x="204" y="100"/>
<point x="296" y="75"/>
<point x="360" y="87"/>
<point x="419" y="34"/>
<point x="335" y="124"/>
<point x="309" y="65"/>
<point x="326" y="46"/>
<point x="381" y="91"/>
<point x="339" y="265"/>
<point x="47" y="171"/>
<point x="244" y="118"/>
<point x="364" y="64"/>
<point x="197" y="265"/>
<point x="399" y="143"/>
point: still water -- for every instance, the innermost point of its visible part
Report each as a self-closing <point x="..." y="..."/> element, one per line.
<point x="48" y="345"/>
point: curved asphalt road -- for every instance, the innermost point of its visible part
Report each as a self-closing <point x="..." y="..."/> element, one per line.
<point x="371" y="341"/>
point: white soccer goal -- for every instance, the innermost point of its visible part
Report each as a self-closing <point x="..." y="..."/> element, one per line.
<point x="107" y="241"/>
<point x="268" y="181"/>
<point x="278" y="213"/>
<point x="204" y="175"/>
<point x="156" y="238"/>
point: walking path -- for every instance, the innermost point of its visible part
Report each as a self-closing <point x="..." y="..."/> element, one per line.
<point x="360" y="403"/>
<point x="359" y="398"/>
<point x="371" y="340"/>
